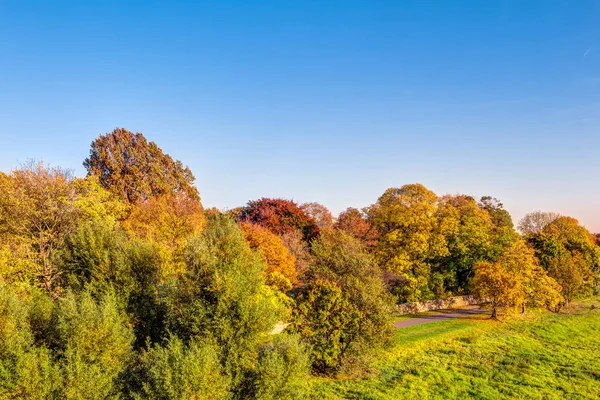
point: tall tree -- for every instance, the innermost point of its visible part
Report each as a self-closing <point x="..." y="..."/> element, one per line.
<point x="468" y="232"/>
<point x="515" y="279"/>
<point x="405" y="218"/>
<point x="344" y="310"/>
<point x="135" y="169"/>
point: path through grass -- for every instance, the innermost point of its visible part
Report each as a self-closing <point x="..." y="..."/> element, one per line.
<point x="540" y="356"/>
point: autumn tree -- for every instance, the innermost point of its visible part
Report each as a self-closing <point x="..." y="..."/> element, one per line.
<point x="167" y="221"/>
<point x="275" y="255"/>
<point x="354" y="222"/>
<point x="405" y="219"/>
<point x="319" y="213"/>
<point x="534" y="222"/>
<point x="503" y="230"/>
<point x="37" y="211"/>
<point x="515" y="279"/>
<point x="280" y="217"/>
<point x="136" y="170"/>
<point x="569" y="253"/>
<point x="468" y="233"/>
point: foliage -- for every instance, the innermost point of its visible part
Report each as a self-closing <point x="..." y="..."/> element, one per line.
<point x="37" y="212"/>
<point x="325" y="318"/>
<point x="167" y="221"/>
<point x="282" y="368"/>
<point x="179" y="372"/>
<point x="136" y="170"/>
<point x="222" y="297"/>
<point x="514" y="279"/>
<point x="569" y="254"/>
<point x="280" y="217"/>
<point x="319" y="213"/>
<point x="344" y="312"/>
<point x="353" y="222"/>
<point x="409" y="237"/>
<point x="96" y="345"/>
<point x="274" y="254"/>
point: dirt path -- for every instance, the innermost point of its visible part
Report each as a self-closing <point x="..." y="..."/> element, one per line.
<point x="439" y="316"/>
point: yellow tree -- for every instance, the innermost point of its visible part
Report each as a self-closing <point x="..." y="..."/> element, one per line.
<point x="409" y="237"/>
<point x="280" y="271"/>
<point x="515" y="279"/>
<point x="37" y="212"/>
<point x="167" y="221"/>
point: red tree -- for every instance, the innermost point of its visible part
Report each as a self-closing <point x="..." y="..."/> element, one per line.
<point x="280" y="216"/>
<point x="352" y="221"/>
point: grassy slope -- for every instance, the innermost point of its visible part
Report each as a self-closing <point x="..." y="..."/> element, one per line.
<point x="539" y="356"/>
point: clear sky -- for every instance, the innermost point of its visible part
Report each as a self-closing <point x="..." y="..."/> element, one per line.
<point x="328" y="101"/>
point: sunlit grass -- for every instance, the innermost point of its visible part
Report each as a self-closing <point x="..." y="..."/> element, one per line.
<point x="537" y="356"/>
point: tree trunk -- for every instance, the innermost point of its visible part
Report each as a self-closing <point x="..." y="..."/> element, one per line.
<point x="494" y="314"/>
<point x="523" y="309"/>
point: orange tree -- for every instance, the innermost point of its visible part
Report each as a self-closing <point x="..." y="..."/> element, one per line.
<point x="278" y="260"/>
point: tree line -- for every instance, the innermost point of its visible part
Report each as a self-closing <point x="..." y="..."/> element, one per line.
<point x="121" y="285"/>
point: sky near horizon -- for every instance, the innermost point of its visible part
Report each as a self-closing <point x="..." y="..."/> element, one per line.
<point x="327" y="101"/>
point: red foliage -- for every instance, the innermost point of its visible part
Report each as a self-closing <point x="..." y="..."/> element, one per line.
<point x="280" y="216"/>
<point x="352" y="221"/>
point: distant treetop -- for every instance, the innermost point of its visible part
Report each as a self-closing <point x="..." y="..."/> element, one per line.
<point x="135" y="170"/>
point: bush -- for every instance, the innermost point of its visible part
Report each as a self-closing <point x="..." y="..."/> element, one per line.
<point x="179" y="372"/>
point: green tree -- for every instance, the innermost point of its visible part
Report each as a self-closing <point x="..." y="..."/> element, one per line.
<point x="179" y="372"/>
<point x="96" y="346"/>
<point x="136" y="170"/>
<point x="345" y="288"/>
<point x="222" y="297"/>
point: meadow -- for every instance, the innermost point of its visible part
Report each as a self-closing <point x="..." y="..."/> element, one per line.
<point x="539" y="355"/>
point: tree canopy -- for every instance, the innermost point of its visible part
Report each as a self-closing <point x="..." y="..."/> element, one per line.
<point x="136" y="170"/>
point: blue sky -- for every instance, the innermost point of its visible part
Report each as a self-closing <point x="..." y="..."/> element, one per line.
<point x="328" y="101"/>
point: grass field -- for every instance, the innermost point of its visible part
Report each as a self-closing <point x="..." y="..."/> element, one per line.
<point x="537" y="356"/>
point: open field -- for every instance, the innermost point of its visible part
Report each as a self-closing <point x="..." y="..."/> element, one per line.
<point x="537" y="356"/>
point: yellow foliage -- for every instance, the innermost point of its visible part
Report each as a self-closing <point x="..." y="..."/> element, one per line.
<point x="167" y="221"/>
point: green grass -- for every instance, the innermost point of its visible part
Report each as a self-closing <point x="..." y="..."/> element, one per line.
<point x="539" y="356"/>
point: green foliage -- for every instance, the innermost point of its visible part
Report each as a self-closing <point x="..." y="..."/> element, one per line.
<point x="96" y="346"/>
<point x="281" y="371"/>
<point x="179" y="372"/>
<point x="344" y="312"/>
<point x="222" y="296"/>
<point x="26" y="370"/>
<point x="325" y="318"/>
